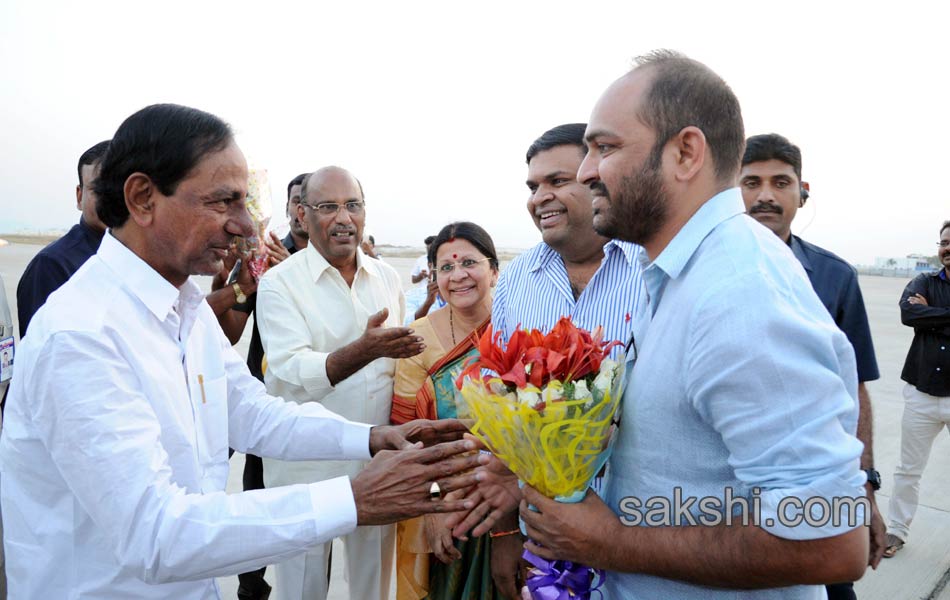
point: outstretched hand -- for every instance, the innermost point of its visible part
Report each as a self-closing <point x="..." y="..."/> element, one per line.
<point x="395" y="485"/>
<point x="399" y="437"/>
<point x="376" y="342"/>
<point x="389" y="342"/>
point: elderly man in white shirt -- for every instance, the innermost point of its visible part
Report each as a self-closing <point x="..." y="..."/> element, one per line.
<point x="329" y="319"/>
<point x="127" y="395"/>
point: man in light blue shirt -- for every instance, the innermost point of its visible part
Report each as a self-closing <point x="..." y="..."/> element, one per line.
<point x="740" y="386"/>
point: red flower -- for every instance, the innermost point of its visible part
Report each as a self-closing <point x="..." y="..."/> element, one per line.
<point x="565" y="354"/>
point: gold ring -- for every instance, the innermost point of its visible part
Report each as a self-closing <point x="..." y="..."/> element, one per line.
<point x="435" y="492"/>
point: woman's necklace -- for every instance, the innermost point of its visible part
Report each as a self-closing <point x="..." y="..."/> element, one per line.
<point x="452" y="326"/>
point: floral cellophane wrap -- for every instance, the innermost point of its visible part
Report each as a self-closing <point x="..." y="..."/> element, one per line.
<point x="260" y="208"/>
<point x="545" y="405"/>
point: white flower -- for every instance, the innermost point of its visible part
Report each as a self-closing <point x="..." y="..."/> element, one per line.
<point x="554" y="392"/>
<point x="531" y="396"/>
<point x="605" y="377"/>
<point x="582" y="393"/>
<point x="580" y="390"/>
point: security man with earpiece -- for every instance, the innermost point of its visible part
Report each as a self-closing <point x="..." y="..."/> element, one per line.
<point x="773" y="191"/>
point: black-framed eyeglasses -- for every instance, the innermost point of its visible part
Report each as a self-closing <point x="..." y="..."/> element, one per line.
<point x="327" y="209"/>
<point x="943" y="243"/>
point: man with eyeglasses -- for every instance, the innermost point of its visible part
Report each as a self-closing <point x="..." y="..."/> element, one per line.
<point x="329" y="320"/>
<point x="773" y="191"/>
<point x="925" y="306"/>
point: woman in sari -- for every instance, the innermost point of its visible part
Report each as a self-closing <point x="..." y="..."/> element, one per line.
<point x="429" y="563"/>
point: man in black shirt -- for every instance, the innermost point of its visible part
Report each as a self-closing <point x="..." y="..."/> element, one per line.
<point x="925" y="306"/>
<point x="56" y="263"/>
<point x="773" y="191"/>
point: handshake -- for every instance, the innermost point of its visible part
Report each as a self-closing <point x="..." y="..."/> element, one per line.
<point x="424" y="467"/>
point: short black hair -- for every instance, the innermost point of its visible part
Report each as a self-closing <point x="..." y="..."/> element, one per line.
<point x="772" y="146"/>
<point x="685" y="92"/>
<point x="91" y="157"/>
<point x="163" y="141"/>
<point x="944" y="226"/>
<point x="469" y="232"/>
<point x="570" y="134"/>
<point x="298" y="180"/>
<point x="429" y="240"/>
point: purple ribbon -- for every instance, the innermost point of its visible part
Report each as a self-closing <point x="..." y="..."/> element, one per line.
<point x="561" y="579"/>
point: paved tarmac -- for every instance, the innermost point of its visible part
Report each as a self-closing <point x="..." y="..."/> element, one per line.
<point x="920" y="571"/>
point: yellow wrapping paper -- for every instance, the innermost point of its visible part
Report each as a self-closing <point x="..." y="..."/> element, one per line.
<point x="557" y="450"/>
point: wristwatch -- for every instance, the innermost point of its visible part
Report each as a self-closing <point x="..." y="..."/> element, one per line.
<point x="239" y="294"/>
<point x="874" y="478"/>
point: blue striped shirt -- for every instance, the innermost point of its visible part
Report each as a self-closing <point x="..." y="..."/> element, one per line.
<point x="534" y="292"/>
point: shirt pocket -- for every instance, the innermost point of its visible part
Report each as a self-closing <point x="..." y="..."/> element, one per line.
<point x="211" y="409"/>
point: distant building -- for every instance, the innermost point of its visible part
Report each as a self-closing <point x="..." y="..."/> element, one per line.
<point x="911" y="262"/>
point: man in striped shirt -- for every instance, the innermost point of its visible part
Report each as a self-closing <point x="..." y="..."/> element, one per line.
<point x="573" y="271"/>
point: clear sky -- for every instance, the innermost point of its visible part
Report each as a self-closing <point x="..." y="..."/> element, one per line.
<point x="433" y="104"/>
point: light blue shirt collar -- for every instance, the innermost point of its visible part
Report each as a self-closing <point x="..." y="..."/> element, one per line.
<point x="673" y="259"/>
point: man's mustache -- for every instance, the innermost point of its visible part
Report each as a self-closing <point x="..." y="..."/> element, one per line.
<point x="599" y="189"/>
<point x="766" y="207"/>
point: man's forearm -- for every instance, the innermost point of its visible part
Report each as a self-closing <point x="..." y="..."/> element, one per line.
<point x="738" y="557"/>
<point x="221" y="300"/>
<point x="348" y="360"/>
<point x="865" y="426"/>
<point x="232" y="322"/>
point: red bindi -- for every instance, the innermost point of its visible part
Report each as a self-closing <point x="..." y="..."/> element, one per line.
<point x="455" y="256"/>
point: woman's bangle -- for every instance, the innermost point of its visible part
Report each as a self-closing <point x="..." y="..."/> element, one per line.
<point x="496" y="534"/>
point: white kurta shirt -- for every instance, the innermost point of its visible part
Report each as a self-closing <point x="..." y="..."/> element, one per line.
<point x="305" y="311"/>
<point x="114" y="451"/>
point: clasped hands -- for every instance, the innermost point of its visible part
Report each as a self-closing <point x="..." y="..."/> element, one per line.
<point x="476" y="488"/>
<point x="580" y="532"/>
<point x="407" y="459"/>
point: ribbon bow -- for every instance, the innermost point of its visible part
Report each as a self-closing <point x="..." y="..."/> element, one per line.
<point x="561" y="579"/>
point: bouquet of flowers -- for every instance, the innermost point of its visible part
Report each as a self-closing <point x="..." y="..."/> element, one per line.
<point x="546" y="406"/>
<point x="259" y="207"/>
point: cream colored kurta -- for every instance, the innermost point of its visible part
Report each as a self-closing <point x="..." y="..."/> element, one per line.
<point x="305" y="311"/>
